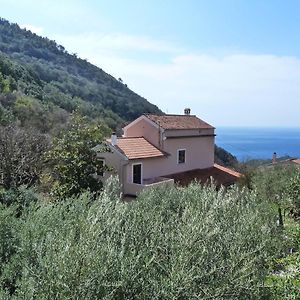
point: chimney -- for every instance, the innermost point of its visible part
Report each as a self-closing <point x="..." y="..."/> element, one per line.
<point x="187" y="111"/>
<point x="274" y="158"/>
<point x="114" y="139"/>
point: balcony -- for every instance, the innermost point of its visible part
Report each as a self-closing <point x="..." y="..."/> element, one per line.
<point x="135" y="189"/>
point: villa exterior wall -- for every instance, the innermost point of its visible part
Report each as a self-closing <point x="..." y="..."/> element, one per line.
<point x="197" y="143"/>
<point x="199" y="155"/>
<point x="144" y="128"/>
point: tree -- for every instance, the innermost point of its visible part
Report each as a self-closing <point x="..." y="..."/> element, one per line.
<point x="72" y="159"/>
<point x="225" y="158"/>
<point x="21" y="159"/>
<point x="293" y="191"/>
<point x="272" y="185"/>
<point x="191" y="243"/>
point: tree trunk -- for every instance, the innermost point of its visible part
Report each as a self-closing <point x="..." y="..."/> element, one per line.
<point x="280" y="217"/>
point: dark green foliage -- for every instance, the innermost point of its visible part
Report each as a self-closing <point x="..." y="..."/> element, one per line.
<point x="21" y="159"/>
<point x="40" y="68"/>
<point x="18" y="197"/>
<point x="224" y="158"/>
<point x="193" y="243"/>
<point x="73" y="160"/>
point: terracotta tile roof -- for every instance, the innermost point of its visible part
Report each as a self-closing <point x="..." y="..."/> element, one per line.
<point x="221" y="176"/>
<point x="179" y="121"/>
<point x="137" y="147"/>
<point x="229" y="171"/>
<point x="296" y="161"/>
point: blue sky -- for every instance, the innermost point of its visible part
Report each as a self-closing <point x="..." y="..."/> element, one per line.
<point x="233" y="62"/>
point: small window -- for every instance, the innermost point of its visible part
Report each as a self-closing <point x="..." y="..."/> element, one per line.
<point x="137" y="173"/>
<point x="100" y="171"/>
<point x="181" y="156"/>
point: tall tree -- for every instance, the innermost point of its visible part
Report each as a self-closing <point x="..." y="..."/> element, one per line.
<point x="73" y="160"/>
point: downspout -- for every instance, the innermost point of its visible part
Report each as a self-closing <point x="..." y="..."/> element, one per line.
<point x="123" y="174"/>
<point x="160" y="136"/>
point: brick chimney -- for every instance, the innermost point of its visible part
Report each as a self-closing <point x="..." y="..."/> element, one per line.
<point x="114" y="139"/>
<point x="274" y="158"/>
<point x="187" y="111"/>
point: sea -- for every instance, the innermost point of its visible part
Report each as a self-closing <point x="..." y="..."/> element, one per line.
<point x="259" y="143"/>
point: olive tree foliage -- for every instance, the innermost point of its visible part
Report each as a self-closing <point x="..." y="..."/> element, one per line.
<point x="72" y="158"/>
<point x="293" y="191"/>
<point x="275" y="185"/>
<point x="21" y="156"/>
<point x="171" y="243"/>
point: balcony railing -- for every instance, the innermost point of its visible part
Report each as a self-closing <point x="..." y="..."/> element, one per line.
<point x="135" y="189"/>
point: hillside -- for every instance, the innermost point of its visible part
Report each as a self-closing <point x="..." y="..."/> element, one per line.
<point x="41" y="84"/>
<point x="40" y="68"/>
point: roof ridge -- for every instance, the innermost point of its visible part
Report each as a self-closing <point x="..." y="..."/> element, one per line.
<point x="173" y="121"/>
<point x="171" y="115"/>
<point x="130" y="137"/>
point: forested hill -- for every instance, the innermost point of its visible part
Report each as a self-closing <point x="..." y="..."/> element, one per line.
<point x="43" y="70"/>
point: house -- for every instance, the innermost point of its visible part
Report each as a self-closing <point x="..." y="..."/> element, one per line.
<point x="163" y="149"/>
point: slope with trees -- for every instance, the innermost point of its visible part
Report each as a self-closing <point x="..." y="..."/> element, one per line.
<point x="54" y="75"/>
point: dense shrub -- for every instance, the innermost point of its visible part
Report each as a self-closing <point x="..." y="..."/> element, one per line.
<point x="171" y="243"/>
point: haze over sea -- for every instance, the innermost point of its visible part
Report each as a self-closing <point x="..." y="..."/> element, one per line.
<point x="261" y="143"/>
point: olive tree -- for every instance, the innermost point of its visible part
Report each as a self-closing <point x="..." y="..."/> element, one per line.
<point x="171" y="243"/>
<point x="272" y="184"/>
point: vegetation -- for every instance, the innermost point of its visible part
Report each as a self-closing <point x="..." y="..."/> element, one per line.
<point x="169" y="244"/>
<point x="21" y="159"/>
<point x="73" y="160"/>
<point x="225" y="158"/>
<point x="59" y="82"/>
<point x="60" y="239"/>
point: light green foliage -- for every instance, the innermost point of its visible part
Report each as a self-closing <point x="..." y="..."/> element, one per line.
<point x="284" y="280"/>
<point x="5" y="86"/>
<point x="192" y="243"/>
<point x="293" y="190"/>
<point x="272" y="185"/>
<point x="281" y="186"/>
<point x="72" y="159"/>
<point x="9" y="237"/>
<point x="31" y="112"/>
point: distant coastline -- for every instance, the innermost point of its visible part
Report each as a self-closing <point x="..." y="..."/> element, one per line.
<point x="259" y="143"/>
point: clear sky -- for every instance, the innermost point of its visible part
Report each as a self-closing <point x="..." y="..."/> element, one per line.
<point x="233" y="62"/>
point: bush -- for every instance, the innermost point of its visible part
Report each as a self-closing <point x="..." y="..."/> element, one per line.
<point x="171" y="243"/>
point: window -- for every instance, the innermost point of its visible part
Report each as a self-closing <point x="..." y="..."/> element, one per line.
<point x="181" y="156"/>
<point x="137" y="173"/>
<point x="100" y="171"/>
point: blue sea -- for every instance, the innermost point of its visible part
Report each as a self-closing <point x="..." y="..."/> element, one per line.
<point x="253" y="143"/>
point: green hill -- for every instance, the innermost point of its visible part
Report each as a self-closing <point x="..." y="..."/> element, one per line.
<point x="37" y="67"/>
<point x="41" y="84"/>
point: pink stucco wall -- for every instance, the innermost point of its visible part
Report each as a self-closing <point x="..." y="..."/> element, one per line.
<point x="199" y="152"/>
<point x="188" y="132"/>
<point x="199" y="155"/>
<point x="146" y="129"/>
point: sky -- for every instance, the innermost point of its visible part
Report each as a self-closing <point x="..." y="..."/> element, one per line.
<point x="233" y="62"/>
